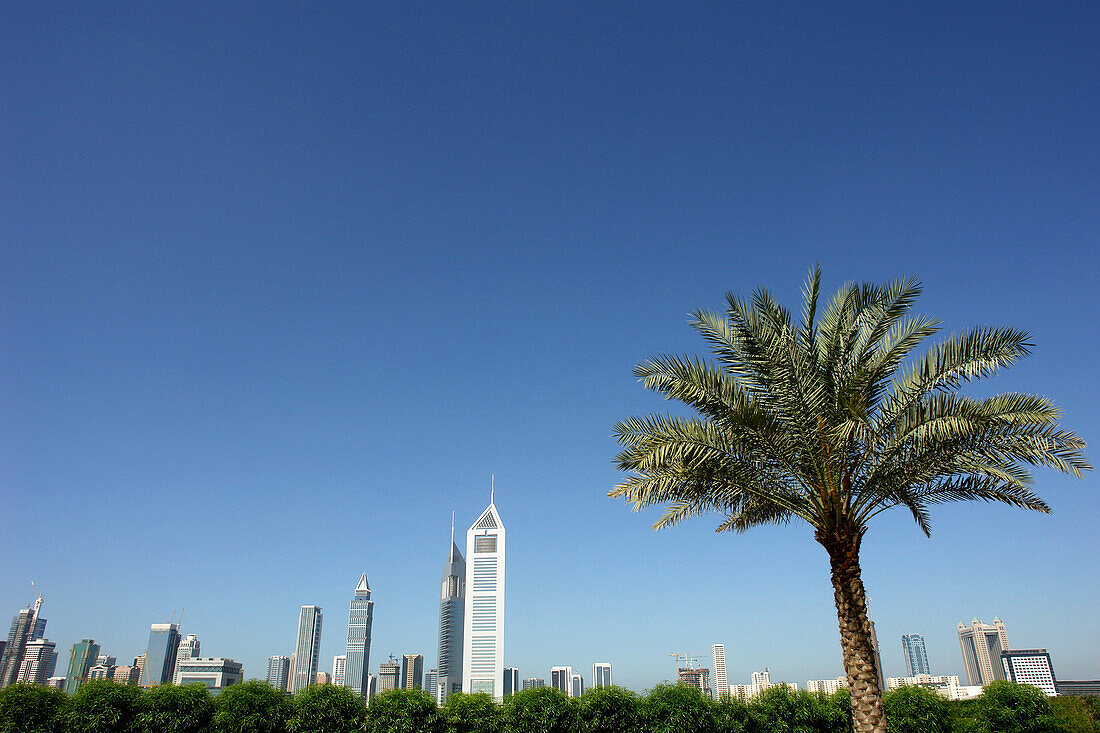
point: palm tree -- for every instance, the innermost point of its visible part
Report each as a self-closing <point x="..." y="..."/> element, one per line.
<point x="829" y="421"/>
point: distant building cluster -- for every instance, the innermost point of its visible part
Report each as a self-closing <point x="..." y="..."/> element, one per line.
<point x="471" y="650"/>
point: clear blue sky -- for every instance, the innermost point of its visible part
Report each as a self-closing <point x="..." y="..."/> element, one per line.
<point x="281" y="285"/>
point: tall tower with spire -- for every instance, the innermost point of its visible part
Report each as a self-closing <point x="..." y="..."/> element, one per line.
<point x="452" y="609"/>
<point x="483" y="626"/>
<point x="360" y="618"/>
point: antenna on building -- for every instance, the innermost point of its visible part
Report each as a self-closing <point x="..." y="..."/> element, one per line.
<point x="452" y="527"/>
<point x="492" y="486"/>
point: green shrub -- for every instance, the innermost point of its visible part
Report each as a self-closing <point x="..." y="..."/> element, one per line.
<point x="731" y="715"/>
<point x="476" y="713"/>
<point x="172" y="709"/>
<point x="1008" y="707"/>
<point x="102" y="706"/>
<point x="780" y="709"/>
<point x="543" y="710"/>
<point x="27" y="708"/>
<point x="327" y="709"/>
<point x="609" y="710"/>
<point x="913" y="709"/>
<point x="251" y="707"/>
<point x="678" y="708"/>
<point x="402" y="711"/>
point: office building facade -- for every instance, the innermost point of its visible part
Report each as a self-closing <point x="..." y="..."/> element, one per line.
<point x="1030" y="667"/>
<point x="827" y="687"/>
<point x="37" y="664"/>
<point x="534" y="683"/>
<point x="576" y="685"/>
<point x="307" y="649"/>
<point x="81" y="658"/>
<point x="278" y="672"/>
<point x="215" y="673"/>
<point x="916" y="659"/>
<point x="431" y="683"/>
<point x="160" y="654"/>
<point x="20" y="634"/>
<point x="389" y="675"/>
<point x="339" y="669"/>
<point x="357" y="650"/>
<point x="189" y="647"/>
<point x="561" y="678"/>
<point x="452" y="619"/>
<point x="511" y="681"/>
<point x="601" y="674"/>
<point x="483" y="625"/>
<point x="412" y="671"/>
<point x="981" y="646"/>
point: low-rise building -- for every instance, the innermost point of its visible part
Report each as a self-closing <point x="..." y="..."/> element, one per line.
<point x="945" y="685"/>
<point x="828" y="687"/>
<point x="216" y="673"/>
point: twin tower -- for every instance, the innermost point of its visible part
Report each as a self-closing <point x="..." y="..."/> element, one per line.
<point x="471" y="612"/>
<point x="471" y="618"/>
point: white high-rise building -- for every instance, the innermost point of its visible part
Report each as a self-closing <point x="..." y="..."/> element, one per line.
<point x="760" y="682"/>
<point x="561" y="678"/>
<point x="483" y="625"/>
<point x="718" y="654"/>
<point x="946" y="685"/>
<point x="306" y="649"/>
<point x="339" y="669"/>
<point x="576" y="685"/>
<point x="189" y="648"/>
<point x="37" y="657"/>
<point x="601" y="674"/>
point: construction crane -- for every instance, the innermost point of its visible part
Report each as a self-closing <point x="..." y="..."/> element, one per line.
<point x="684" y="660"/>
<point x="37" y="604"/>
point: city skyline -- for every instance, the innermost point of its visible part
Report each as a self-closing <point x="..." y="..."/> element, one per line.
<point x="283" y="269"/>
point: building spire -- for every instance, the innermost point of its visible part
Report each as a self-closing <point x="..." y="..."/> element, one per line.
<point x="492" y="487"/>
<point x="452" y="526"/>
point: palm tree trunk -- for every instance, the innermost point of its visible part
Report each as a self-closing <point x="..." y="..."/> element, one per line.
<point x="855" y="638"/>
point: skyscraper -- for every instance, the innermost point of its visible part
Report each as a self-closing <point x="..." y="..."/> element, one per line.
<point x="37" y="661"/>
<point x="452" y="609"/>
<point x="339" y="669"/>
<point x="718" y="654"/>
<point x="22" y="632"/>
<point x="982" y="645"/>
<point x="431" y="682"/>
<point x="360" y="620"/>
<point x="189" y="648"/>
<point x="561" y="678"/>
<point x="81" y="658"/>
<point x="160" y="655"/>
<point x="278" y="670"/>
<point x="389" y="675"/>
<point x="307" y="649"/>
<point x="916" y="660"/>
<point x="601" y="674"/>
<point x="576" y="685"/>
<point x="511" y="681"/>
<point x="412" y="671"/>
<point x="878" y="658"/>
<point x="483" y="625"/>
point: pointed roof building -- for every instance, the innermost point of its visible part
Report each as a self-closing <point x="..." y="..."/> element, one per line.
<point x="483" y="627"/>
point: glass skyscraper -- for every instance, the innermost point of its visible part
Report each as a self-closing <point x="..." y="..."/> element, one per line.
<point x="81" y="659"/>
<point x="360" y="619"/>
<point x="916" y="660"/>
<point x="452" y="609"/>
<point x="307" y="649"/>
<point x="160" y="659"/>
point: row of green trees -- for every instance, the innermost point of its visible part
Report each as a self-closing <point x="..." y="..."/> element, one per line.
<point x="256" y="707"/>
